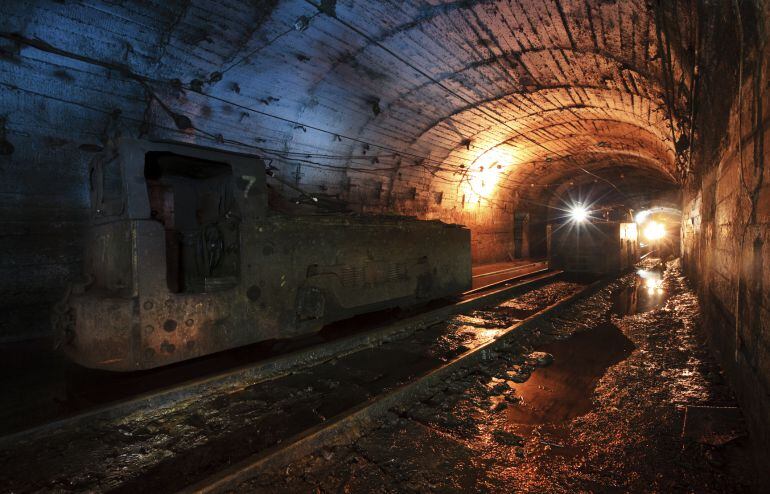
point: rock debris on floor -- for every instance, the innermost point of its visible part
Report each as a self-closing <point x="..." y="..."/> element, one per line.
<point x="606" y="415"/>
<point x="168" y="449"/>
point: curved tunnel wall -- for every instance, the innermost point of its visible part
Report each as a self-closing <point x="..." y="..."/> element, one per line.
<point x="465" y="111"/>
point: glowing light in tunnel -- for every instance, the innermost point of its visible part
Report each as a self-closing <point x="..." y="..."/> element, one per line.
<point x="485" y="173"/>
<point x="578" y="213"/>
<point x="654" y="285"/>
<point x="652" y="281"/>
<point x="654" y="231"/>
<point x="575" y="212"/>
<point x="643" y="216"/>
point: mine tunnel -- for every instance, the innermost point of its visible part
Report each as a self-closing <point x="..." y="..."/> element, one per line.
<point x="384" y="246"/>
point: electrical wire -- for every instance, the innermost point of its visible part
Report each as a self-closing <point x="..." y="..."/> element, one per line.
<point x="431" y="78"/>
<point x="448" y="89"/>
<point x="266" y="45"/>
<point x="144" y="80"/>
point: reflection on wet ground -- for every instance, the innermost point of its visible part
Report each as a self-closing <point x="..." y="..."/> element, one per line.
<point x="643" y="293"/>
<point x="563" y="390"/>
<point x="606" y="415"/>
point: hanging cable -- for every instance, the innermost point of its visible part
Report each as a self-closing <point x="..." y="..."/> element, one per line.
<point x="185" y="122"/>
<point x="446" y="88"/>
<point x="430" y="78"/>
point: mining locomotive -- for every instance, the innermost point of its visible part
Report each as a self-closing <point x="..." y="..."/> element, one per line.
<point x="603" y="245"/>
<point x="184" y="258"/>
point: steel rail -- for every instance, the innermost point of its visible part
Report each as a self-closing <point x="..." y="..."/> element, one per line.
<point x="512" y="269"/>
<point x="542" y="269"/>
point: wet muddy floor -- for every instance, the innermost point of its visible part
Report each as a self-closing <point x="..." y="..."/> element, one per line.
<point x="167" y="450"/>
<point x="564" y="389"/>
<point x="617" y="394"/>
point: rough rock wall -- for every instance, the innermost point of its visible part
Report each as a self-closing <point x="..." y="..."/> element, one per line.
<point x="726" y="205"/>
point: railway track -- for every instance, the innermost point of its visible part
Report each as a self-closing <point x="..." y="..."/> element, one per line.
<point x="342" y="425"/>
<point x="488" y="279"/>
<point x="349" y="426"/>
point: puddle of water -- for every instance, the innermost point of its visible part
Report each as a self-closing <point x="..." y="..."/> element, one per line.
<point x="563" y="390"/>
<point x="644" y="294"/>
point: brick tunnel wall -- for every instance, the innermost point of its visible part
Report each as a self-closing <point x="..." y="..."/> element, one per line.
<point x="376" y="132"/>
<point x="726" y="207"/>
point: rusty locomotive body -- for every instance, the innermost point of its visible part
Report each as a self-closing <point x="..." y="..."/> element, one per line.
<point x="185" y="258"/>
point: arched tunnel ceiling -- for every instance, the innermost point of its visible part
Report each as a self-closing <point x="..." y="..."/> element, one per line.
<point x="437" y="96"/>
<point x="550" y="88"/>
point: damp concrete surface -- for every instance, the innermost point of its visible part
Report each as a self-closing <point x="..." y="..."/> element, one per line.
<point x="596" y="399"/>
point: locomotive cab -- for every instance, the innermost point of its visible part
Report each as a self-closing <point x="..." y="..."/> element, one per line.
<point x="163" y="250"/>
<point x="193" y="200"/>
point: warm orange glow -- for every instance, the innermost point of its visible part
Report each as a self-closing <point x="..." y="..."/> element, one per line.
<point x="628" y="231"/>
<point x="654" y="231"/>
<point x="484" y="175"/>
